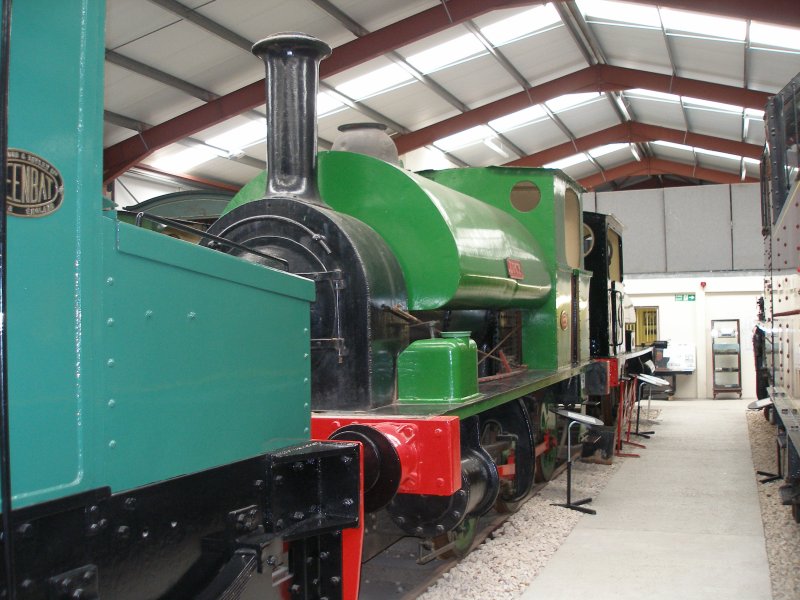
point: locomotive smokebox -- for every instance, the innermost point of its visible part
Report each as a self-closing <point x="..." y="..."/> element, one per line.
<point x="292" y="66"/>
<point x="354" y="341"/>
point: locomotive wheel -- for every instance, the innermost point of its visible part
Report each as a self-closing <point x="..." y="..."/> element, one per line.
<point x="462" y="536"/>
<point x="546" y="463"/>
<point x="489" y="435"/>
<point x="506" y="433"/>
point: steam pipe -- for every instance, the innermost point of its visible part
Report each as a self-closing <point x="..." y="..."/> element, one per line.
<point x="292" y="66"/>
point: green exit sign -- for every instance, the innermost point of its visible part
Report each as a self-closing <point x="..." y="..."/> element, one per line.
<point x="684" y="297"/>
<point x="690" y="297"/>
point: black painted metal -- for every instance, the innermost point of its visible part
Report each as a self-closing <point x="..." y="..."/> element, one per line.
<point x="5" y="446"/>
<point x="602" y="305"/>
<point x="431" y="516"/>
<point x="355" y="342"/>
<point x="515" y="424"/>
<point x="212" y="239"/>
<point x="292" y="67"/>
<point x="382" y="468"/>
<point x="173" y="539"/>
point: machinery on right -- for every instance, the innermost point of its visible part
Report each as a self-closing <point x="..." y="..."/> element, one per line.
<point x="779" y="339"/>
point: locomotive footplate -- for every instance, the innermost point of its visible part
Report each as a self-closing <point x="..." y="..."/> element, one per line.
<point x="286" y="514"/>
<point x="491" y="394"/>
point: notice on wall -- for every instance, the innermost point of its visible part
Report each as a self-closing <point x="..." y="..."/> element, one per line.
<point x="682" y="357"/>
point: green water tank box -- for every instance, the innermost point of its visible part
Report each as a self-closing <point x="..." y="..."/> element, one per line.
<point x="442" y="369"/>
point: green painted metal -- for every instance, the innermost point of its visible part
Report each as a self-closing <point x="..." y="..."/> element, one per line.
<point x="452" y="248"/>
<point x="494" y="185"/>
<point x="546" y="345"/>
<point x="255" y="189"/>
<point x="487" y="398"/>
<point x="220" y="367"/>
<point x="439" y="370"/>
<point x="55" y="111"/>
<point x="133" y="357"/>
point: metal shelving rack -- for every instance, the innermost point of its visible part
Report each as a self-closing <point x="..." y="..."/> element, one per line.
<point x="726" y="357"/>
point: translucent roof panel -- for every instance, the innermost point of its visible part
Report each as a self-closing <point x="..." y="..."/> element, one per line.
<point x="580" y="170"/>
<point x="428" y="157"/>
<point x="707" y="59"/>
<point x="327" y="104"/>
<point x="521" y="25"/>
<point x="770" y="70"/>
<point x="519" y="118"/>
<point x="626" y="13"/>
<point x="568" y="101"/>
<point x="616" y="158"/>
<point x="373" y="14"/>
<point x="410" y="105"/>
<point x="719" y="163"/>
<point x="486" y="152"/>
<point x="255" y="20"/>
<point x="461" y="80"/>
<point x="537" y="136"/>
<point x="180" y="159"/>
<point x="228" y="171"/>
<point x="448" y="53"/>
<point x="608" y="149"/>
<point x="236" y="139"/>
<point x="588" y="118"/>
<point x="656" y="112"/>
<point x="542" y="57"/>
<point x="464" y="138"/>
<point x="633" y="47"/>
<point x="774" y="36"/>
<point x="380" y="80"/>
<point x="703" y="24"/>
<point x="716" y="123"/>
<point x="569" y="161"/>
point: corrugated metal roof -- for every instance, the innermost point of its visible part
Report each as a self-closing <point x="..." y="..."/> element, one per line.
<point x="202" y="44"/>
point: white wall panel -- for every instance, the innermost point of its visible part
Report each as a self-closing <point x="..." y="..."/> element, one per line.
<point x="748" y="245"/>
<point x="698" y="221"/>
<point x="642" y="214"/>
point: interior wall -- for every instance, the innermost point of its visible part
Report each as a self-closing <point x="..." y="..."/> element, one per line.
<point x="689" y="322"/>
<point x="687" y="229"/>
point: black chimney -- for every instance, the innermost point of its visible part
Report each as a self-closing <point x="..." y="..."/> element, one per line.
<point x="292" y="65"/>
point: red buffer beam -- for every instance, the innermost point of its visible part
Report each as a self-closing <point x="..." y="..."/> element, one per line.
<point x="635" y="132"/>
<point x="658" y="166"/>
<point x="597" y="78"/>
<point x="127" y="153"/>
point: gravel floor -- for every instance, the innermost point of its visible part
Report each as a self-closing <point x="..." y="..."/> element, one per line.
<point x="510" y="559"/>
<point x="781" y="531"/>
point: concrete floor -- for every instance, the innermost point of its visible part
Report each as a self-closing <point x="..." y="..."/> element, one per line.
<point x="682" y="521"/>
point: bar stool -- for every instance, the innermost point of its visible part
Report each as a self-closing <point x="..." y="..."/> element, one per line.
<point x="574" y="417"/>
